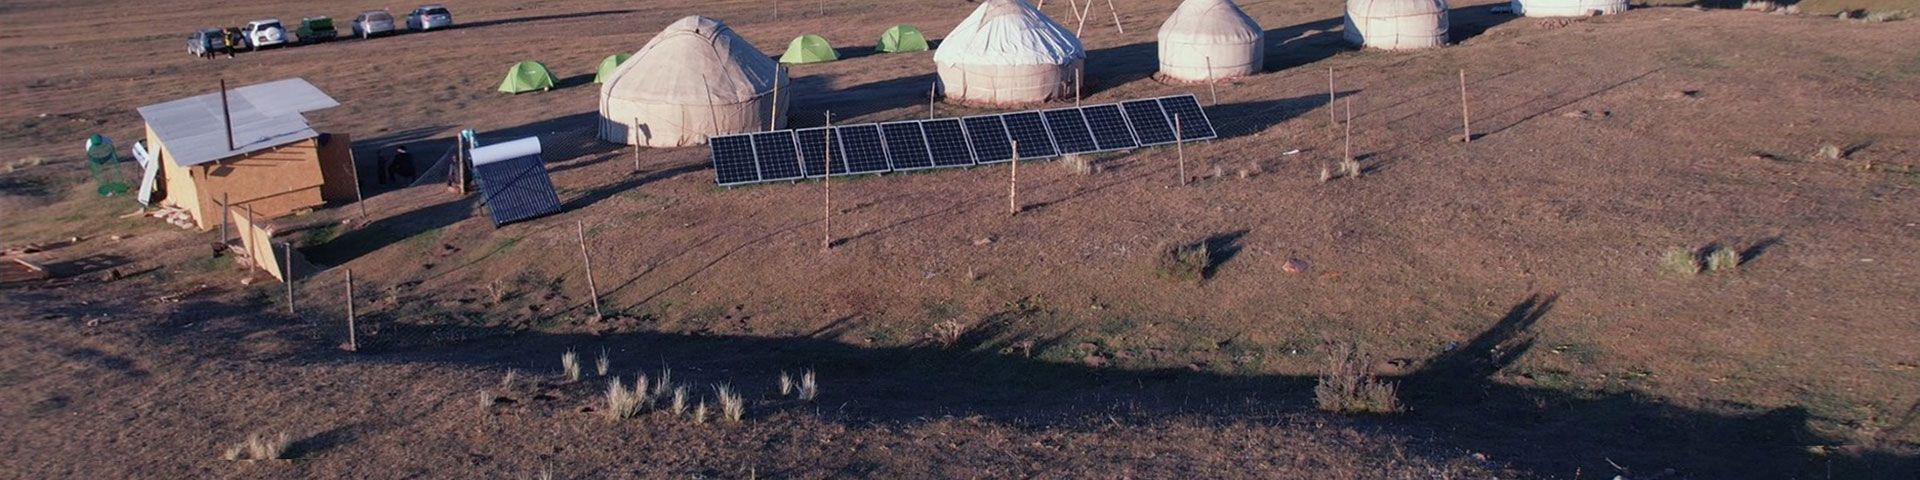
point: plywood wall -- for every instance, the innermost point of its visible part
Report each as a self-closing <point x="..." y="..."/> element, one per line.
<point x="276" y="182"/>
<point x="338" y="170"/>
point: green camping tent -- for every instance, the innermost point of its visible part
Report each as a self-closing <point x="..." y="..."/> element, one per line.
<point x="809" y="49"/>
<point x="607" y="66"/>
<point x="526" y="77"/>
<point x="902" y="38"/>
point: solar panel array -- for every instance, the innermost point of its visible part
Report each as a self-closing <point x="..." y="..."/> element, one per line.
<point x="956" y="142"/>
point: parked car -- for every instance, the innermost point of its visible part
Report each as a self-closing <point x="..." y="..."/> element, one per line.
<point x="207" y="42"/>
<point x="264" y="33"/>
<point x="429" y="17"/>
<point x="372" y="23"/>
<point x="315" y="30"/>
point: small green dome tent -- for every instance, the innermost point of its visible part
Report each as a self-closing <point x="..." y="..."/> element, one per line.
<point x="902" y="38"/>
<point x="526" y="77"/>
<point x="809" y="49"/>
<point x="607" y="65"/>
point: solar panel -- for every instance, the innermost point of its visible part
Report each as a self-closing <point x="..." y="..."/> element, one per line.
<point x="1193" y="121"/>
<point x="906" y="145"/>
<point x="814" y="152"/>
<point x="1110" y="130"/>
<point x="1150" y="125"/>
<point x="513" y="178"/>
<point x="733" y="160"/>
<point x="775" y="153"/>
<point x="988" y="135"/>
<point x="1070" y="131"/>
<point x="947" y="141"/>
<point x="1031" y="131"/>
<point x="862" y="149"/>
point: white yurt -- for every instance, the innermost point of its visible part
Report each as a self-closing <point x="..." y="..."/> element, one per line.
<point x="1397" y="24"/>
<point x="1008" y="53"/>
<point x="695" y="79"/>
<point x="1210" y="40"/>
<point x="1567" y="8"/>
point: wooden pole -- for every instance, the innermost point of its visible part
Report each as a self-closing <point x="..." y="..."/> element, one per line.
<point x="1211" y="92"/>
<point x="1466" y="120"/>
<point x="244" y="242"/>
<point x="593" y="292"/>
<point x="359" y="198"/>
<point x="772" y="122"/>
<point x="1074" y="8"/>
<point x="636" y="144"/>
<point x="1083" y="18"/>
<point x="226" y="219"/>
<point x="1013" y="181"/>
<point x="1079" y="77"/>
<point x="1332" y="118"/>
<point x="460" y="163"/>
<point x="932" y="88"/>
<point x="1180" y="147"/>
<point x="286" y="276"/>
<point x="826" y="218"/>
<point x="1349" y="129"/>
<point x="1116" y="17"/>
<point x="353" y="338"/>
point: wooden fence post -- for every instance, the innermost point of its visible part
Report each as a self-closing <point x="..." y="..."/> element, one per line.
<point x="286" y="276"/>
<point x="353" y="338"/>
<point x="1013" y="181"/>
<point x="1180" y="148"/>
<point x="593" y="292"/>
<point x="827" y="182"/>
<point x="359" y="198"/>
<point x="1466" y="120"/>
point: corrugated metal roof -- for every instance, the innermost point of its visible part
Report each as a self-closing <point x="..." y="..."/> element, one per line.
<point x="264" y="116"/>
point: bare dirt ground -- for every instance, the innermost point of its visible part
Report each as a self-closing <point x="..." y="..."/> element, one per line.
<point x="1511" y="285"/>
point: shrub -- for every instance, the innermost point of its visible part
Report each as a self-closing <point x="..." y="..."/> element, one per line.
<point x="1184" y="264"/>
<point x="1680" y="260"/>
<point x="948" y="332"/>
<point x="1723" y="259"/>
<point x="1350" y="387"/>
<point x="260" y="447"/>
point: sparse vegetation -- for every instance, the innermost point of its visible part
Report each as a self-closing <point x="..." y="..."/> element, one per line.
<point x="1888" y="15"/>
<point x="700" y="412"/>
<point x="1184" y="263"/>
<point x="808" y="388"/>
<point x="601" y="364"/>
<point x="1349" y="385"/>
<point x="1830" y="151"/>
<point x="1078" y="164"/>
<point x="948" y="332"/>
<point x="1680" y="260"/>
<point x="1350" y="168"/>
<point x="506" y="382"/>
<point x="786" y="384"/>
<point x="570" y="365"/>
<point x="732" y="407"/>
<point x="1723" y="259"/>
<point x="260" y="447"/>
<point x="679" y="403"/>
<point x="623" y="403"/>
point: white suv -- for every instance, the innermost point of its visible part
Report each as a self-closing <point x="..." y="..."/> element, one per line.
<point x="264" y="33"/>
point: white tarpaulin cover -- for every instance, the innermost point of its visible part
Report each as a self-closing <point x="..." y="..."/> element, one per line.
<point x="1209" y="40"/>
<point x="1567" y="8"/>
<point x="1397" y="24"/>
<point x="695" y="79"/>
<point x="193" y="130"/>
<point x="1007" y="52"/>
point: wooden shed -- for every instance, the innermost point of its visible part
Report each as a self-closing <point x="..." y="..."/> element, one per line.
<point x="251" y="147"/>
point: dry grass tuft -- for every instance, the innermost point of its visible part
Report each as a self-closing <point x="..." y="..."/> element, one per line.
<point x="1830" y="151"/>
<point x="700" y="412"/>
<point x="1077" y="164"/>
<point x="601" y="364"/>
<point x="732" y="407"/>
<point x="1326" y="175"/>
<point x="1184" y="264"/>
<point x="665" y="383"/>
<point x="679" y="404"/>
<point x="1723" y="259"/>
<point x="621" y="402"/>
<point x="1680" y="260"/>
<point x="1350" y="168"/>
<point x="260" y="447"/>
<point x="1888" y="15"/>
<point x="1350" y="387"/>
<point x="570" y="365"/>
<point x="808" y="388"/>
<point x="948" y="332"/>
<point x="506" y="382"/>
<point x="786" y="384"/>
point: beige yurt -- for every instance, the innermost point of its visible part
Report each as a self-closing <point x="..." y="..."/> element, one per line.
<point x="1397" y="24"/>
<point x="1210" y="40"/>
<point x="695" y="79"/>
<point x="1008" y="53"/>
<point x="1567" y="8"/>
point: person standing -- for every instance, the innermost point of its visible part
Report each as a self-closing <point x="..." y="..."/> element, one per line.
<point x="231" y="38"/>
<point x="401" y="167"/>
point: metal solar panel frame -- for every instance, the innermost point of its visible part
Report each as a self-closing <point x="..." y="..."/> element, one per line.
<point x="959" y="128"/>
<point x="1053" y="149"/>
<point x="880" y="140"/>
<point x="517" y="189"/>
<point x="1131" y="141"/>
<point x="893" y="157"/>
<point x="974" y="138"/>
<point x="753" y="159"/>
<point x="809" y="165"/>
<point x="1185" y="125"/>
<point x="1159" y="114"/>
<point x="777" y="165"/>
<point x="1060" y="131"/>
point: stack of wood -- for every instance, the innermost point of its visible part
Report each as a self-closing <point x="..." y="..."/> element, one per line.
<point x="176" y="216"/>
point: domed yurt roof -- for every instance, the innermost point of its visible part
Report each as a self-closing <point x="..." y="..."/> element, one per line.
<point x="694" y="61"/>
<point x="1008" y="32"/>
<point x="1210" y="39"/>
<point x="1397" y="24"/>
<point x="695" y="79"/>
<point x="1567" y="8"/>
